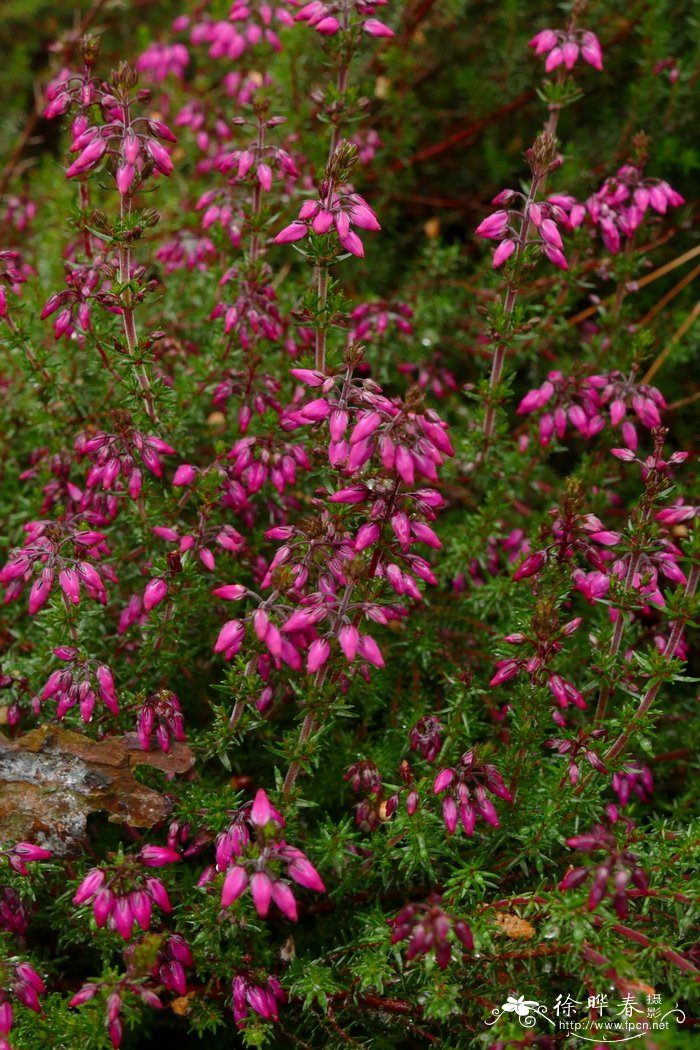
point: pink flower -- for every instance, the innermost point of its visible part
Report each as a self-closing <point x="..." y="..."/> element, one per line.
<point x="494" y="226"/>
<point x="503" y="252"/>
<point x="88" y="158"/>
<point x="122" y="898"/>
<point x="234" y="885"/>
<point x="155" y="592"/>
<point x="23" y="853"/>
<point x="319" y="651"/>
<point x="262" y="812"/>
<point x="428" y="928"/>
<point x="264" y="1000"/>
<point x="369" y="650"/>
<point x="332" y="211"/>
<point x="157" y="856"/>
<point x="531" y="565"/>
<point x="230" y="638"/>
<point x="563" y="47"/>
<point x="302" y="871"/>
<point x="543" y="41"/>
<point x="376" y="28"/>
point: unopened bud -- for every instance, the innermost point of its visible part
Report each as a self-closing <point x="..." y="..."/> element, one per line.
<point x="261" y="105"/>
<point x="342" y="162"/>
<point x="125" y="77"/>
<point x="542" y="154"/>
<point x="89" y="49"/>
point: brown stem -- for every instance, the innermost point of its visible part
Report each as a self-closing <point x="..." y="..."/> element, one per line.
<point x="84" y="199"/>
<point x="307" y="728"/>
<point x="257" y="196"/>
<point x="322" y="290"/>
<point x="651" y="693"/>
<point x="130" y="334"/>
<point x="236" y="714"/>
<point x="499" y="357"/>
<point x="650" y="696"/>
<point x="621" y="290"/>
<point x="341" y="88"/>
<point x="9" y="321"/>
<point x="616" y="639"/>
<point x="310" y="722"/>
<point x="508" y="307"/>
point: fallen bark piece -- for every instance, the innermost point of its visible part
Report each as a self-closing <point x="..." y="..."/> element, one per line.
<point x="51" y="779"/>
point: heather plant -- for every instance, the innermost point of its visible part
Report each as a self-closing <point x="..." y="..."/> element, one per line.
<point x="350" y="568"/>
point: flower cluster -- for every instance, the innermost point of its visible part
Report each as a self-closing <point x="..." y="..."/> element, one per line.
<point x="134" y="143"/>
<point x="14" y="912"/>
<point x="187" y="250"/>
<point x="464" y="790"/>
<point x="248" y="25"/>
<point x="257" y="162"/>
<point x="56" y="549"/>
<point x="172" y="958"/>
<point x="592" y="403"/>
<point x="160" y="711"/>
<point x="363" y="422"/>
<point x="115" y="994"/>
<point x="512" y="226"/>
<point x="372" y="810"/>
<point x="114" y="456"/>
<point x="330" y="16"/>
<point x="618" y="208"/>
<point x="23" y="853"/>
<point x="633" y="779"/>
<point x="426" y="737"/>
<point x="21" y="980"/>
<point x="265" y="999"/>
<point x="12" y="275"/>
<point x="332" y="211"/>
<point x="304" y="613"/>
<point x="19" y="699"/>
<point x="572" y="534"/>
<point x="254" y="313"/>
<point x="78" y="683"/>
<point x="122" y="897"/>
<point x="159" y="61"/>
<point x="544" y="646"/>
<point x="427" y="927"/>
<point x="565" y="46"/>
<point x="373" y="320"/>
<point x="309" y="592"/>
<point x="614" y="877"/>
<point x="72" y="306"/>
<point x="253" y="855"/>
<point x="576" y="749"/>
<point x="203" y="541"/>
